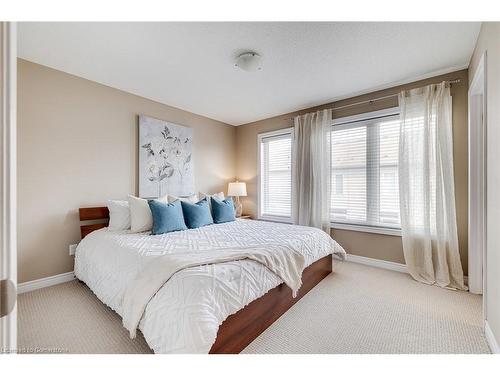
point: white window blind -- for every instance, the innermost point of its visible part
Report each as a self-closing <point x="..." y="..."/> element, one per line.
<point x="276" y="175"/>
<point x="364" y="158"/>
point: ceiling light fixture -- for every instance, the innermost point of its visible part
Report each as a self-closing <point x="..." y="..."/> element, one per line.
<point x="249" y="62"/>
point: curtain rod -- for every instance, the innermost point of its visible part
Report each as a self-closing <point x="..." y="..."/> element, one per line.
<point x="376" y="99"/>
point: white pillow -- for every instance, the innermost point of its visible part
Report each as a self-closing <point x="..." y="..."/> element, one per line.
<point x="219" y="196"/>
<point x="190" y="198"/>
<point x="141" y="219"/>
<point x="119" y="215"/>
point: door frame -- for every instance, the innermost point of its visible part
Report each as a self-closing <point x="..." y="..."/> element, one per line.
<point x="8" y="246"/>
<point x="477" y="178"/>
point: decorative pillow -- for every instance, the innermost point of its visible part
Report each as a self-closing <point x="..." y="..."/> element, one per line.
<point x="190" y="198"/>
<point x="167" y="217"/>
<point x="119" y="215"/>
<point x="141" y="219"/>
<point x="197" y="215"/>
<point x="223" y="211"/>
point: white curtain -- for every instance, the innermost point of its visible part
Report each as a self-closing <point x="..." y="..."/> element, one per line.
<point x="311" y="169"/>
<point x="426" y="187"/>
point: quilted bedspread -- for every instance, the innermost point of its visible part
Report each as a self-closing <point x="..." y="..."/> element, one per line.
<point x="185" y="314"/>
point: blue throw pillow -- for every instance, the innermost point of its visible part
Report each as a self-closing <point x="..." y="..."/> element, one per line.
<point x="197" y="215"/>
<point x="223" y="211"/>
<point x="167" y="217"/>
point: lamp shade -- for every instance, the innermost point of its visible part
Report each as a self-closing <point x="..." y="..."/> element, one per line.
<point x="237" y="189"/>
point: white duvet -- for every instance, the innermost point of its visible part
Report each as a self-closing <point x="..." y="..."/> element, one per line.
<point x="185" y="314"/>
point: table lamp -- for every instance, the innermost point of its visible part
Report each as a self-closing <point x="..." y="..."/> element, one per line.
<point x="237" y="189"/>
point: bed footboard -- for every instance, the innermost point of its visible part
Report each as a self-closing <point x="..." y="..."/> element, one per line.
<point x="241" y="328"/>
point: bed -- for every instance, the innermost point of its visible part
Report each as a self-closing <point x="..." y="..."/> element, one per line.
<point x="210" y="308"/>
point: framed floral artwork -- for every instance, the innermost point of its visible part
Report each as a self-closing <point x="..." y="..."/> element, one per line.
<point x="165" y="158"/>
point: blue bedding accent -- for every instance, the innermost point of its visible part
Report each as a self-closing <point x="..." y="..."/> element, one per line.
<point x="197" y="215"/>
<point x="167" y="217"/>
<point x="223" y="211"/>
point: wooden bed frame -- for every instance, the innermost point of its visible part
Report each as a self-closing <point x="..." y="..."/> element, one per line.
<point x="242" y="327"/>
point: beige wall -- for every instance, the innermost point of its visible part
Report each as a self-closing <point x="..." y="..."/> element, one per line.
<point x="489" y="42"/>
<point x="358" y="243"/>
<point x="77" y="146"/>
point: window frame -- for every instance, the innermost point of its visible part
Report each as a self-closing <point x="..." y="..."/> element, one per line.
<point x="367" y="116"/>
<point x="260" y="137"/>
<point x="334" y="225"/>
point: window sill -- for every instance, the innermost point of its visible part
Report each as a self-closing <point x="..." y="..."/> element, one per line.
<point x="352" y="227"/>
<point x="275" y="219"/>
<point x="367" y="229"/>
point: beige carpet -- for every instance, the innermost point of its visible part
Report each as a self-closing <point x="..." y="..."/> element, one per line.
<point x="358" y="309"/>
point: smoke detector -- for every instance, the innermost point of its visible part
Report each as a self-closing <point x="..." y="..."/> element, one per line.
<point x="249" y="62"/>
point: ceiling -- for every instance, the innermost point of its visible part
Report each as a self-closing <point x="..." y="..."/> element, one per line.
<point x="191" y="65"/>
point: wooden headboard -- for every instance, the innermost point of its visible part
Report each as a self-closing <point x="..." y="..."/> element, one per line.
<point x="92" y="213"/>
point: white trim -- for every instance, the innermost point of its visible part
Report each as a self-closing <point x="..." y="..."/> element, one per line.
<point x="8" y="240"/>
<point x="477" y="198"/>
<point x="45" y="282"/>
<point x="366" y="116"/>
<point x="260" y="137"/>
<point x="378" y="263"/>
<point x="275" y="133"/>
<point x="476" y="86"/>
<point x="367" y="229"/>
<point x="385" y="264"/>
<point x="276" y="219"/>
<point x="372" y="150"/>
<point x="490" y="338"/>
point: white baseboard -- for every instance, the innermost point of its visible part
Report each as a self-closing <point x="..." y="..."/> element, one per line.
<point x="490" y="337"/>
<point x="377" y="263"/>
<point x="385" y="264"/>
<point x="45" y="282"/>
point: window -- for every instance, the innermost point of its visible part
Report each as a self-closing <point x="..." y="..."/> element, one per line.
<point x="275" y="178"/>
<point x="364" y="155"/>
<point x="364" y="177"/>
